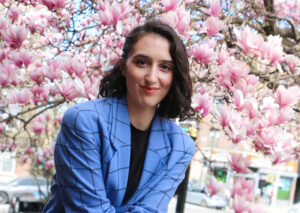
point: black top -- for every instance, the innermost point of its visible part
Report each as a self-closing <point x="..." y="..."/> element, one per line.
<point x="139" y="142"/>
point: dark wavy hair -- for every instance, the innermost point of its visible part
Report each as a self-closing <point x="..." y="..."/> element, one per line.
<point x="177" y="102"/>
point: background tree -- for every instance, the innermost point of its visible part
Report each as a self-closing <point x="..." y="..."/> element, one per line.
<point x="244" y="58"/>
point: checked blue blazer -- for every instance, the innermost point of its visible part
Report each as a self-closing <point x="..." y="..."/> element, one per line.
<point x="92" y="158"/>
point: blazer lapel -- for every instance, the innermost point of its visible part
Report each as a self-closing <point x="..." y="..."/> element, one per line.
<point x="121" y="140"/>
<point x="158" y="149"/>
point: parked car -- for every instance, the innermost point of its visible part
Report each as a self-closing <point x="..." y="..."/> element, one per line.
<point x="21" y="186"/>
<point x="28" y="202"/>
<point x="294" y="208"/>
<point x="199" y="196"/>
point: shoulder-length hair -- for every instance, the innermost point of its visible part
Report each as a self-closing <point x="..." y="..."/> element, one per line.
<point x="177" y="102"/>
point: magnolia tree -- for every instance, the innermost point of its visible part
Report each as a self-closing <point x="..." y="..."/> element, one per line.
<point x="244" y="58"/>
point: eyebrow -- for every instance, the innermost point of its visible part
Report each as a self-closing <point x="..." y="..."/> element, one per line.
<point x="149" y="58"/>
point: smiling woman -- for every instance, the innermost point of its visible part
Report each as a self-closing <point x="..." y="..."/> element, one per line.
<point x="122" y="153"/>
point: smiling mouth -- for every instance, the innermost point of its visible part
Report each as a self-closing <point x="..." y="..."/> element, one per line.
<point x="149" y="90"/>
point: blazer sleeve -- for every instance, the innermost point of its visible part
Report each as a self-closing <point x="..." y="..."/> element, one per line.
<point x="78" y="163"/>
<point x="158" y="198"/>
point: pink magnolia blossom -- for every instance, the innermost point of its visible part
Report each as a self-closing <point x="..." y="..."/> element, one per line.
<point x="292" y="61"/>
<point x="26" y="57"/>
<point x="287" y="97"/>
<point x="234" y="70"/>
<point x="247" y="84"/>
<point x="201" y="103"/>
<point x="15" y="57"/>
<point x="269" y="104"/>
<point x="239" y="163"/>
<point x="269" y="119"/>
<point x="14" y="13"/>
<point x="112" y="14"/>
<point x="29" y="150"/>
<point x="272" y="49"/>
<point x="244" y="188"/>
<point x="35" y="27"/>
<point x="3" y="147"/>
<point x="4" y="76"/>
<point x="240" y="205"/>
<point x="10" y="71"/>
<point x="251" y="107"/>
<point x="45" y="154"/>
<point x="2" y="127"/>
<point x="37" y="74"/>
<point x="225" y="116"/>
<point x="105" y="17"/>
<point x="39" y="93"/>
<point x="73" y="66"/>
<point x="37" y="127"/>
<point x="54" y="70"/>
<point x="37" y="90"/>
<point x="255" y="208"/>
<point x="12" y="147"/>
<point x="170" y="18"/>
<point x="235" y="133"/>
<point x="215" y="8"/>
<point x="203" y="53"/>
<point x="250" y="42"/>
<point x="24" y="96"/>
<point x="171" y="4"/>
<point x="47" y="117"/>
<point x="52" y="4"/>
<point x="238" y="99"/>
<point x="24" y="159"/>
<point x="49" y="164"/>
<point x="180" y="20"/>
<point x="223" y="56"/>
<point x="3" y="24"/>
<point x="284" y="115"/>
<point x="214" y="186"/>
<point x="251" y="126"/>
<point x="183" y="24"/>
<point x="57" y="120"/>
<point x="268" y="136"/>
<point x="68" y="90"/>
<point x="38" y="159"/>
<point x="102" y="5"/>
<point x="3" y="54"/>
<point x="213" y="25"/>
<point x="14" y="36"/>
<point x="279" y="158"/>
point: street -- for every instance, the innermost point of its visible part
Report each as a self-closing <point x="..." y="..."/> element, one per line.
<point x="3" y="208"/>
<point x="190" y="208"/>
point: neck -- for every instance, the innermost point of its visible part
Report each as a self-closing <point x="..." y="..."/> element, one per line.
<point x="140" y="117"/>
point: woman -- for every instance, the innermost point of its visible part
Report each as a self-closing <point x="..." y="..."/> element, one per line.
<point x="121" y="153"/>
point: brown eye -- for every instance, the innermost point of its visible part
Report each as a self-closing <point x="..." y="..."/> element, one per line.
<point x="166" y="67"/>
<point x="141" y="62"/>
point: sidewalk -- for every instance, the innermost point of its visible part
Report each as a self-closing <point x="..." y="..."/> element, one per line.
<point x="190" y="208"/>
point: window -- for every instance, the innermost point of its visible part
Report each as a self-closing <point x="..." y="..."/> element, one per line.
<point x="7" y="162"/>
<point x="284" y="188"/>
<point x="214" y="135"/>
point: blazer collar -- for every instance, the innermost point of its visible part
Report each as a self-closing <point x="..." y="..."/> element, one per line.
<point x="158" y="140"/>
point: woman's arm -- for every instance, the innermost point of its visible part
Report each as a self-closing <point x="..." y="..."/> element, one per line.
<point x="78" y="163"/>
<point x="159" y="196"/>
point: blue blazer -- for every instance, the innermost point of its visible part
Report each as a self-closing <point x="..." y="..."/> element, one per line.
<point x="92" y="157"/>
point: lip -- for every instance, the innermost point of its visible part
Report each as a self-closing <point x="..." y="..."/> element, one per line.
<point x="149" y="90"/>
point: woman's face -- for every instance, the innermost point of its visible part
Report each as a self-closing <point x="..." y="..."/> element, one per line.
<point x="148" y="71"/>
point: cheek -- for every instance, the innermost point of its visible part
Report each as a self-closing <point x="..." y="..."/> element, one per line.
<point x="167" y="81"/>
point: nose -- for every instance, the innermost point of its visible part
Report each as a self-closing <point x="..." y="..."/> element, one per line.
<point x="151" y="76"/>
